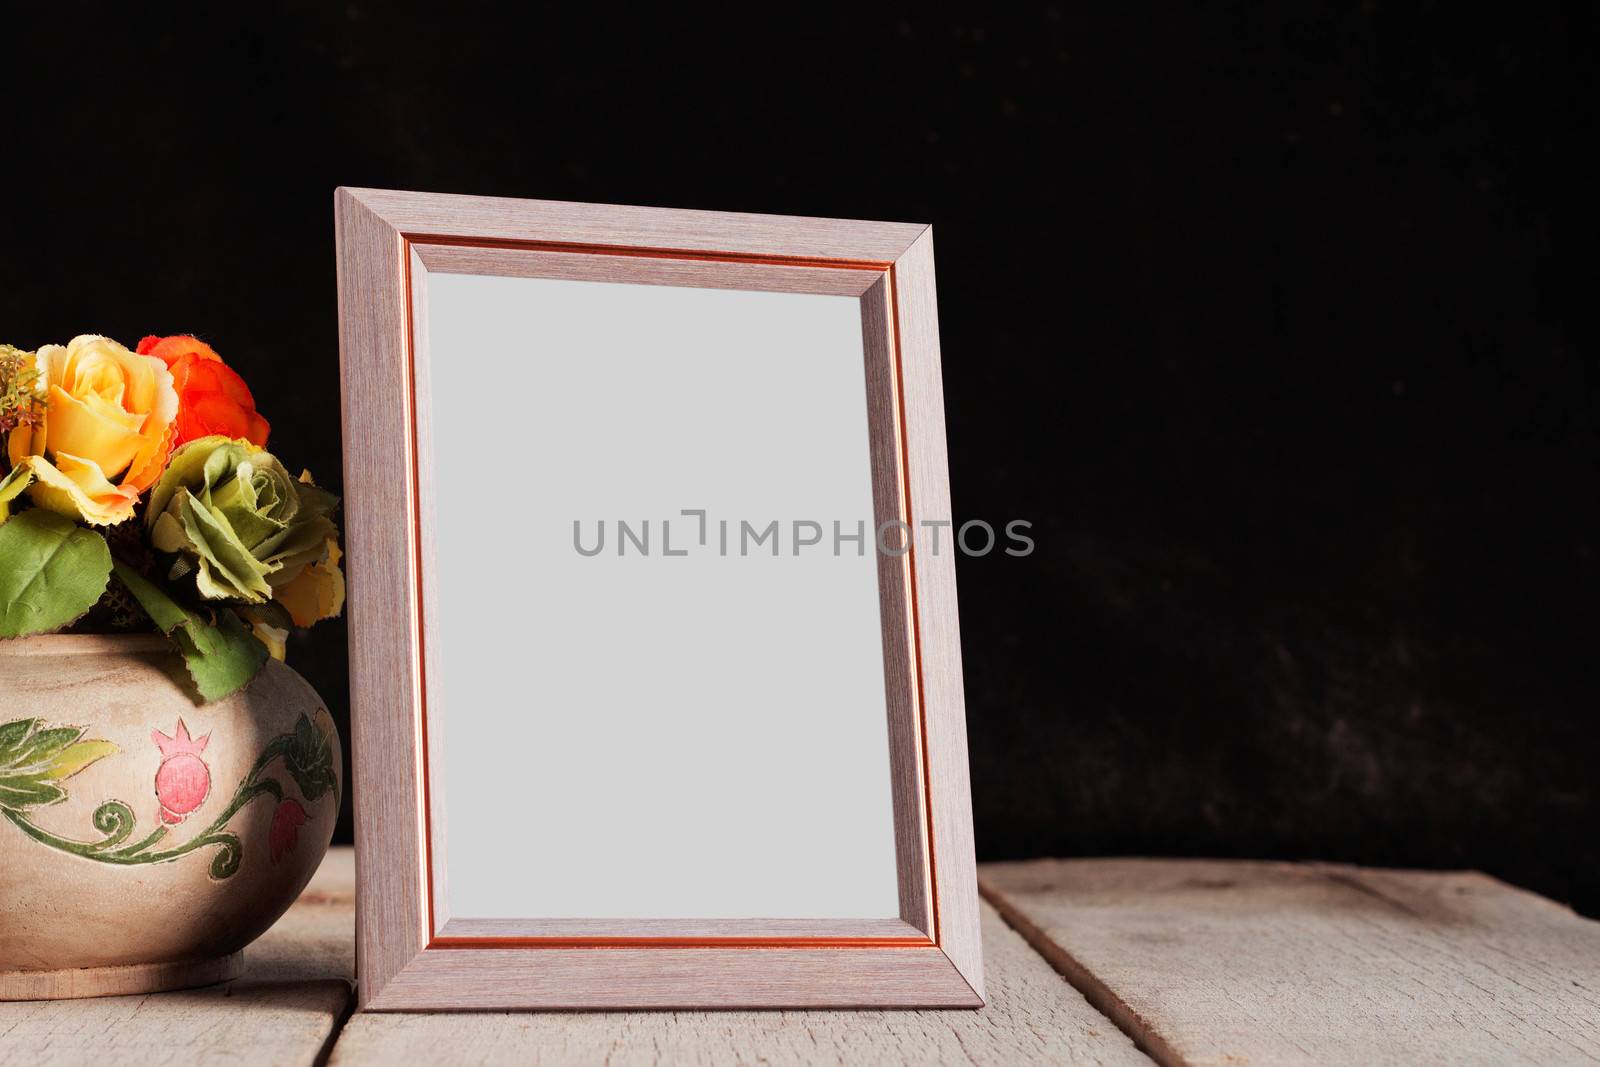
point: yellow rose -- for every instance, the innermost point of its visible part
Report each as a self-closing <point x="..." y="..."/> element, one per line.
<point x="108" y="414"/>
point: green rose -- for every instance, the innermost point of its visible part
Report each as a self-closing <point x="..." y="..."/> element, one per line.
<point x="236" y="518"/>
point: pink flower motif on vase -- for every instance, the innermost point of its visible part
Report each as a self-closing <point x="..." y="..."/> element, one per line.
<point x="285" y="831"/>
<point x="183" y="780"/>
<point x="37" y="759"/>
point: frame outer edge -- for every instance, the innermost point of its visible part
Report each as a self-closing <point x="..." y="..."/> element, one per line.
<point x="944" y="703"/>
<point x="391" y="934"/>
<point x="386" y="795"/>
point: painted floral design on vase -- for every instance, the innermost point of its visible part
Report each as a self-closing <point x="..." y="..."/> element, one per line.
<point x="285" y="832"/>
<point x="183" y="781"/>
<point x="119" y="796"/>
<point x="35" y="753"/>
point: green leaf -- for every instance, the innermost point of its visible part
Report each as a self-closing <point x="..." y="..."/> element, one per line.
<point x="221" y="657"/>
<point x="51" y="571"/>
<point x="11" y="486"/>
<point x="50" y="754"/>
<point x="11" y="735"/>
<point x="310" y="760"/>
<point x="43" y="747"/>
<point x="18" y="791"/>
<point x="33" y="764"/>
<point x="165" y="612"/>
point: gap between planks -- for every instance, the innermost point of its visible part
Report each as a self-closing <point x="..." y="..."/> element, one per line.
<point x="1096" y="992"/>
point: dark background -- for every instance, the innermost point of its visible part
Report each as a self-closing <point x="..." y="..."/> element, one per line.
<point x="1270" y="320"/>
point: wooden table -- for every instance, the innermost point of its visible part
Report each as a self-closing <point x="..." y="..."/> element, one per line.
<point x="1176" y="961"/>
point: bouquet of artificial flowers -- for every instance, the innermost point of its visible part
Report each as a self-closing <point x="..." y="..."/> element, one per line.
<point x="139" y="493"/>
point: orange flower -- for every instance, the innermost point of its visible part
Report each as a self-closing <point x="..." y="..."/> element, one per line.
<point x="212" y="399"/>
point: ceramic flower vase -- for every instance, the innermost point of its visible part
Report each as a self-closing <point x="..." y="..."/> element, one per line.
<point x="145" y="840"/>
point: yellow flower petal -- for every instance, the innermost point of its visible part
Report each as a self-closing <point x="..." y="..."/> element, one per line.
<point x="275" y="639"/>
<point x="151" y="389"/>
<point x="19" y="445"/>
<point x="78" y="489"/>
<point x="317" y="592"/>
<point x="93" y="427"/>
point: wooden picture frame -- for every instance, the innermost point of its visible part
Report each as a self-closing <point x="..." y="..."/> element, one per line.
<point x="411" y="955"/>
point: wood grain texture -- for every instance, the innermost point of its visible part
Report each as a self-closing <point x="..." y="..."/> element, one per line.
<point x="385" y="683"/>
<point x="1207" y="962"/>
<point x="284" y="1010"/>
<point x="642" y="270"/>
<point x="1033" y="1017"/>
<point x="871" y="286"/>
<point x="126" y="979"/>
<point x="497" y="218"/>
<point x="896" y="929"/>
<point x="938" y="628"/>
<point x="900" y="674"/>
<point x="436" y="728"/>
<point x="391" y="593"/>
<point x="463" y="979"/>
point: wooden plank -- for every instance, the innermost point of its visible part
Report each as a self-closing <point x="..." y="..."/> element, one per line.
<point x="1248" y="962"/>
<point x="1032" y="1017"/>
<point x="316" y="938"/>
<point x="295" y="991"/>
